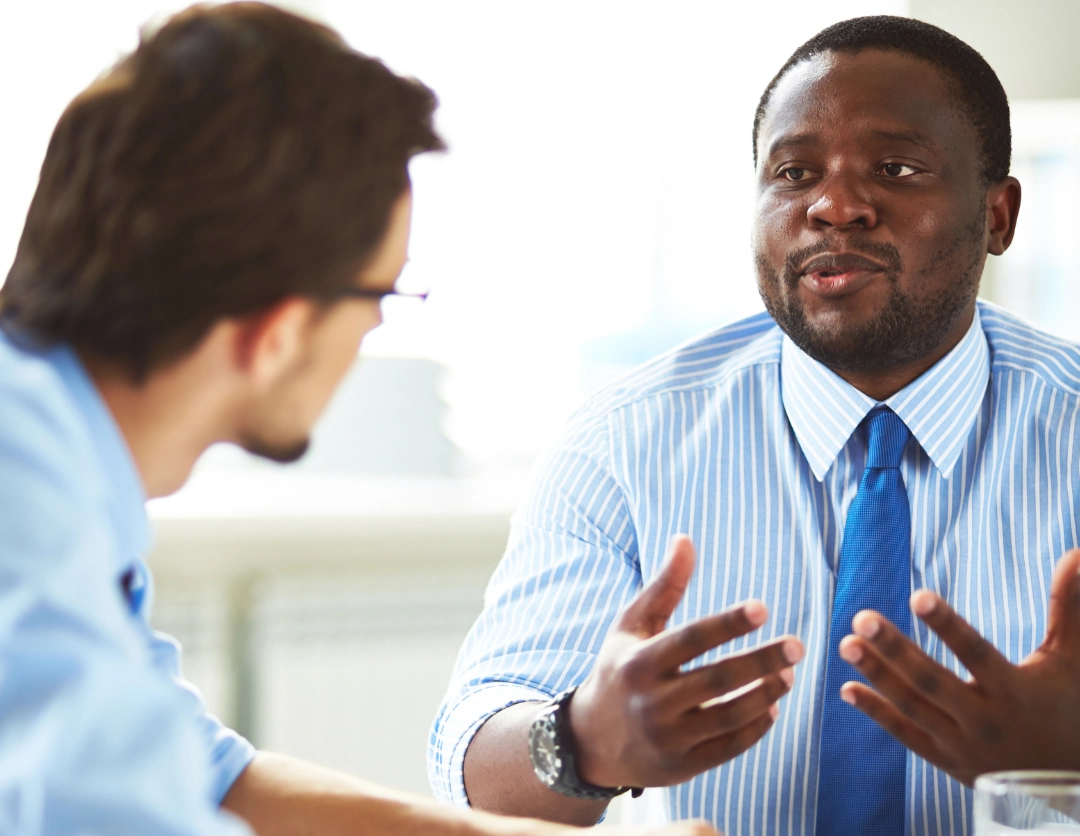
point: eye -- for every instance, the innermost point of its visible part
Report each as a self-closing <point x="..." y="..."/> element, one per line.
<point x="793" y="174"/>
<point x="895" y="171"/>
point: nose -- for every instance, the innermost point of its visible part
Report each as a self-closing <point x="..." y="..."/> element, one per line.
<point x="840" y="204"/>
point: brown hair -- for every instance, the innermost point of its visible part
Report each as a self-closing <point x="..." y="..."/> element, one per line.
<point x="241" y="154"/>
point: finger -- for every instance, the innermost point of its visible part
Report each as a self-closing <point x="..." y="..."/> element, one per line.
<point x="649" y="612"/>
<point x="722" y="749"/>
<point x="685" y="643"/>
<point x="890" y="718"/>
<point x="983" y="661"/>
<point x="934" y="682"/>
<point x="683" y="828"/>
<point x="721" y="718"/>
<point x="899" y="691"/>
<point x="1063" y="626"/>
<point x="732" y="672"/>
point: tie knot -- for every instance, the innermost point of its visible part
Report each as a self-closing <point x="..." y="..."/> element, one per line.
<point x="887" y="436"/>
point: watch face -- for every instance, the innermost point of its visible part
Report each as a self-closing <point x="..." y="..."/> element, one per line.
<point x="545" y="752"/>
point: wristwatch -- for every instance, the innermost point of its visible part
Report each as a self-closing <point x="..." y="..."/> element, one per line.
<point x="551" y="748"/>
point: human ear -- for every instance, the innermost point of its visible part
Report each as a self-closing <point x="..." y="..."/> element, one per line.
<point x="1002" y="208"/>
<point x="270" y="342"/>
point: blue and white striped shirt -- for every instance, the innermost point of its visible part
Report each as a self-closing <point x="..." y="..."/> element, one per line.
<point x="743" y="442"/>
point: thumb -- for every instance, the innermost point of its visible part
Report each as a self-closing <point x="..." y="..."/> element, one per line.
<point x="648" y="614"/>
<point x="1063" y="629"/>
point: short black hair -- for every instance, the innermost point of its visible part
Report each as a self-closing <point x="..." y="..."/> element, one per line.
<point x="978" y="92"/>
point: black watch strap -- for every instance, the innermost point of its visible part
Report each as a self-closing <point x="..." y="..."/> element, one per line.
<point x="551" y="748"/>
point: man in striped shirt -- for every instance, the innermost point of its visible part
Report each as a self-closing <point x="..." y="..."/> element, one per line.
<point x="882" y="153"/>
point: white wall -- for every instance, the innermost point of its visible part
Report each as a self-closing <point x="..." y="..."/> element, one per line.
<point x="1031" y="45"/>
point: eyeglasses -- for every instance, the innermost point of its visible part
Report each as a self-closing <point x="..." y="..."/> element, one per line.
<point x="372" y="293"/>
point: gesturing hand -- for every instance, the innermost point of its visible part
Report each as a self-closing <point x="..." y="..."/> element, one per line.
<point x="638" y="720"/>
<point x="1005" y="717"/>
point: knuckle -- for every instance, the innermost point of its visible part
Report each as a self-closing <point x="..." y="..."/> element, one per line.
<point x="775" y="688"/>
<point x="891" y="645"/>
<point x="928" y="682"/>
<point x="989" y="732"/>
<point x="734" y="718"/>
<point x="892" y="724"/>
<point x="869" y="707"/>
<point x="753" y="731"/>
<point x="977" y="649"/>
<point x="870" y="666"/>
<point x="734" y="623"/>
<point x="691" y="637"/>
<point x="908" y="708"/>
<point x="634" y="669"/>
<point x="718" y="677"/>
<point x="765" y="661"/>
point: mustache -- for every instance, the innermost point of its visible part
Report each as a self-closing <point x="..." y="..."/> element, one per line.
<point x="884" y="254"/>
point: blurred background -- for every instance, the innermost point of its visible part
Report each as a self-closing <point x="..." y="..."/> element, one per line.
<point x="593" y="211"/>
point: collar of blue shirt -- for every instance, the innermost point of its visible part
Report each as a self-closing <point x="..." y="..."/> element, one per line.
<point x="939" y="407"/>
<point x="126" y="497"/>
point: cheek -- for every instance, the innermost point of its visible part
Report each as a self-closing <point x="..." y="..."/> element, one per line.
<point x="337" y="348"/>
<point x="776" y="226"/>
<point x="349" y="334"/>
<point x="935" y="244"/>
<point x="929" y="225"/>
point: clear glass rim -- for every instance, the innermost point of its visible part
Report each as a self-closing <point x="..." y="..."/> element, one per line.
<point x="1041" y="781"/>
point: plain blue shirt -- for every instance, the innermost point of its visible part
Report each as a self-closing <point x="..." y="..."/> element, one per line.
<point x="751" y="447"/>
<point x="99" y="732"/>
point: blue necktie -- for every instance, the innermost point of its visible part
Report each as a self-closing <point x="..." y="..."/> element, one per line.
<point x="862" y="768"/>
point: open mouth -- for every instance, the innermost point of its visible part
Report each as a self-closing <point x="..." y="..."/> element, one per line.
<point x="838" y="274"/>
<point x="838" y="282"/>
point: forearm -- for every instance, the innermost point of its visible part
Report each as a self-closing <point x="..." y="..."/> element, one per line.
<point x="279" y="795"/>
<point x="499" y="776"/>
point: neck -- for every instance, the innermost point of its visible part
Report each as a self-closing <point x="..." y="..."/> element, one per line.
<point x="168" y="421"/>
<point x="882" y="384"/>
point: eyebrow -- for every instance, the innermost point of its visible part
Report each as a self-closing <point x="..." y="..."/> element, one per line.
<point x="789" y="141"/>
<point x="911" y="137"/>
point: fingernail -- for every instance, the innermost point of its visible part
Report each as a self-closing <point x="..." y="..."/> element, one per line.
<point x="867" y="626"/>
<point x="923" y="603"/>
<point x="788" y="675"/>
<point x="847" y="695"/>
<point x="851" y="652"/>
<point x="793" y="651"/>
<point x="774" y="711"/>
<point x="755" y="612"/>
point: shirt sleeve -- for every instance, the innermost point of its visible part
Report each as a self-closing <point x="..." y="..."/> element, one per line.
<point x="229" y="752"/>
<point x="94" y="738"/>
<point x="570" y="567"/>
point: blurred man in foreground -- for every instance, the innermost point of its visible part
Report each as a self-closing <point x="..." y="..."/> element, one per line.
<point x="216" y="222"/>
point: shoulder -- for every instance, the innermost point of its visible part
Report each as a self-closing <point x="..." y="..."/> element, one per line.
<point x="704" y="362"/>
<point x="48" y="467"/>
<point x="1016" y="345"/>
<point x="38" y="412"/>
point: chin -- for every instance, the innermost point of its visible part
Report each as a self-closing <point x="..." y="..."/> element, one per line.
<point x="282" y="453"/>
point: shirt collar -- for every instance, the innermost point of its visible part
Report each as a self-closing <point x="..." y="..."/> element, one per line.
<point x="939" y="407"/>
<point x="122" y="483"/>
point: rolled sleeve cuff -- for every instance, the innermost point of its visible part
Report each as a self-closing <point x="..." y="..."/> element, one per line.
<point x="232" y="754"/>
<point x="455" y="729"/>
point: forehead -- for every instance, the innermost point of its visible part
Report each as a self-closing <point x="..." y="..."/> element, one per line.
<point x="865" y="94"/>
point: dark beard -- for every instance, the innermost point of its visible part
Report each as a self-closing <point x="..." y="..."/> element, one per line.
<point x="905" y="329"/>
<point x="281" y="454"/>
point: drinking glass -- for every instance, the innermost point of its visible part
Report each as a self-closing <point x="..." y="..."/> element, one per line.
<point x="1032" y="802"/>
